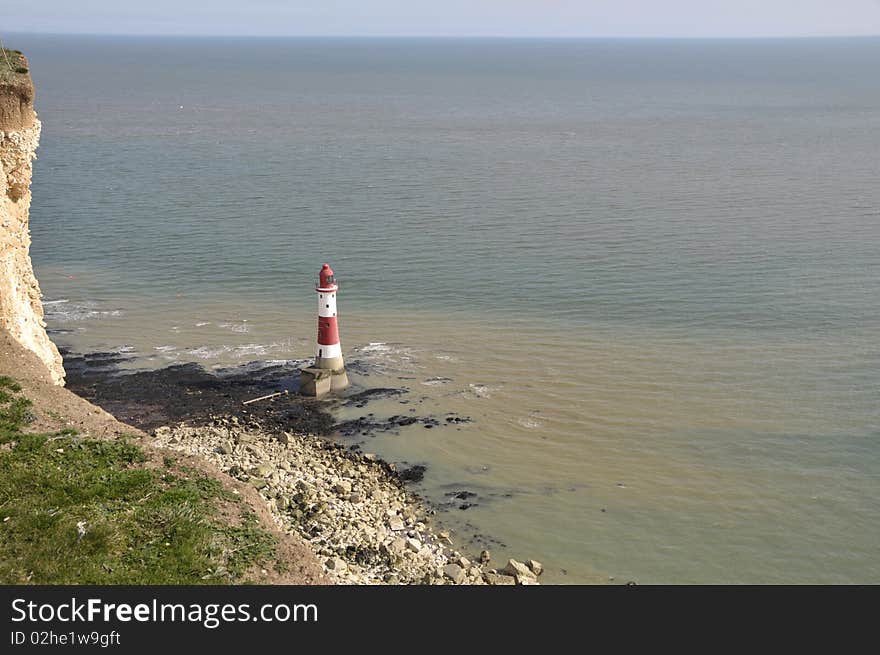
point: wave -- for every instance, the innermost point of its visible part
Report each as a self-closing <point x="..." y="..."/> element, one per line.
<point x="236" y="352"/>
<point x="63" y="310"/>
<point x="241" y="327"/>
<point x="483" y="390"/>
<point x="436" y="381"/>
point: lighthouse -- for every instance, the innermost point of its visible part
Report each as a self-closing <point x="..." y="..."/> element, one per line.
<point x="328" y="373"/>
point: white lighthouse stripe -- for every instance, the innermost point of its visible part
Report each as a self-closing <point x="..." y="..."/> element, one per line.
<point x="326" y="352"/>
<point x="326" y="304"/>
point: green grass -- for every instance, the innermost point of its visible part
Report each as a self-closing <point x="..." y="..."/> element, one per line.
<point x="81" y="511"/>
<point x="12" y="65"/>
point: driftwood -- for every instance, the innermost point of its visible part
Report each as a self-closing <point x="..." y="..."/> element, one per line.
<point x="266" y="397"/>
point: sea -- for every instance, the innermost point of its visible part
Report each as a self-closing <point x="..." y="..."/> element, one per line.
<point x="647" y="270"/>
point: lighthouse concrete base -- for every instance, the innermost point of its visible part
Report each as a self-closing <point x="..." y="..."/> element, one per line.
<point x="315" y="381"/>
<point x="318" y="381"/>
<point x="339" y="380"/>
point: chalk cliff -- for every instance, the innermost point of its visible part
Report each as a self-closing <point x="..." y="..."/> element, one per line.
<point x="21" y="310"/>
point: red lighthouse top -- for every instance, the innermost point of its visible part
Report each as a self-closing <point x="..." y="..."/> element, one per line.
<point x="326" y="279"/>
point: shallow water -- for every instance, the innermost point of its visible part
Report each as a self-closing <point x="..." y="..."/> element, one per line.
<point x="646" y="269"/>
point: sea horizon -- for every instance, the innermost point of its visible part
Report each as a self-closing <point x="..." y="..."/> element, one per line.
<point x="500" y="37"/>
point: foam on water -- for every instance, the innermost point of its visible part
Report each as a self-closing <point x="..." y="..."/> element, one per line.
<point x="529" y="422"/>
<point x="436" y="381"/>
<point x="241" y="328"/>
<point x="483" y="390"/>
<point x="64" y="311"/>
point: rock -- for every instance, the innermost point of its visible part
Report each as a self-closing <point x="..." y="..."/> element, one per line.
<point x="485" y="557"/>
<point x="397" y="546"/>
<point x="463" y="562"/>
<point x="517" y="569"/>
<point x="342" y="488"/>
<point x="262" y="471"/>
<point x="526" y="580"/>
<point x="413" y="473"/>
<point x="163" y="431"/>
<point x="336" y="564"/>
<point x="455" y="573"/>
<point x="414" y="544"/>
<point x="536" y="567"/>
<point x="396" y="524"/>
<point x="356" y="497"/>
<point x="284" y="438"/>
<point x="259" y="483"/>
<point x="499" y="579"/>
<point x="225" y="447"/>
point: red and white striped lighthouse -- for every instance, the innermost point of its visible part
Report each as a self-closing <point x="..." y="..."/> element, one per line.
<point x="328" y="352"/>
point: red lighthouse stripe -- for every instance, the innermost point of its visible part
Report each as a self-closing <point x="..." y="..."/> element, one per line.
<point x="328" y="332"/>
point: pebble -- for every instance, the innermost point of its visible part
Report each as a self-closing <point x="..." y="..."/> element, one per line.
<point x="336" y="564"/>
<point x="517" y="569"/>
<point x="499" y="579"/>
<point x="455" y="573"/>
<point x="262" y="471"/>
<point x="397" y="546"/>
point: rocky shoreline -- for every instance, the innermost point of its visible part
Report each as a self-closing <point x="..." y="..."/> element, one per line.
<point x="351" y="508"/>
<point x="354" y="510"/>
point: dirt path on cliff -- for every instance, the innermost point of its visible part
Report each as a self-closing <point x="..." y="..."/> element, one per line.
<point x="55" y="408"/>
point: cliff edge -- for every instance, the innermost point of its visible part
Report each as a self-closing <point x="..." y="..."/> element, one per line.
<point x="21" y="311"/>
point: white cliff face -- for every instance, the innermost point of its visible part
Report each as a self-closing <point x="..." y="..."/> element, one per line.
<point x="21" y="310"/>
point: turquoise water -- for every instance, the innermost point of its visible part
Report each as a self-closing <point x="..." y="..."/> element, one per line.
<point x="646" y="268"/>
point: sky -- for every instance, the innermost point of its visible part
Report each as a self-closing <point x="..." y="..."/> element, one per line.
<point x="508" y="18"/>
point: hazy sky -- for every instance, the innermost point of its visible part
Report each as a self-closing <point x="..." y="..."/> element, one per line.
<point x="688" y="18"/>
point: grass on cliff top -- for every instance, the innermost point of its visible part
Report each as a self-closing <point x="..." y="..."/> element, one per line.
<point x="81" y="511"/>
<point x="12" y="65"/>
